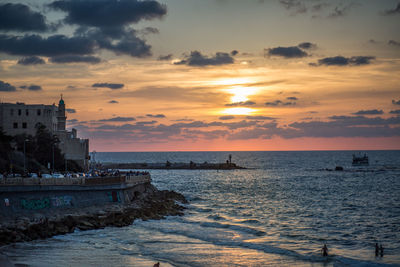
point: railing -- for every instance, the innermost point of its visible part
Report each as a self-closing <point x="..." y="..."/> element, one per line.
<point x="131" y="180"/>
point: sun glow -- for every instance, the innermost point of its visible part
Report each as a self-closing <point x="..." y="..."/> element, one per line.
<point x="241" y="94"/>
<point x="238" y="111"/>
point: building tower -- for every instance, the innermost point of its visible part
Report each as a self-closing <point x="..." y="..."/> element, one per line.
<point x="61" y="118"/>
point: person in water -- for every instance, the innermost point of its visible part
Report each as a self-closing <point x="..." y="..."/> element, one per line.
<point x="325" y="251"/>
<point x="381" y="249"/>
<point x="376" y="250"/>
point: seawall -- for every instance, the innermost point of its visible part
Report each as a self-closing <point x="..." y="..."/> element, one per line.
<point x="41" y="211"/>
<point x="24" y="195"/>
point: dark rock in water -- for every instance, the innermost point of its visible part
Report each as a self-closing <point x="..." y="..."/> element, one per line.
<point x="339" y="168"/>
<point x="154" y="205"/>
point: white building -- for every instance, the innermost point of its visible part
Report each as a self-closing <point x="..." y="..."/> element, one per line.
<point x="20" y="118"/>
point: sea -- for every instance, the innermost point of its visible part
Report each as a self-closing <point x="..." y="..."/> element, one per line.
<point x="280" y="211"/>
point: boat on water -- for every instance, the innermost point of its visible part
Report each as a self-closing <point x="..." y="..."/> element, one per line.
<point x="360" y="160"/>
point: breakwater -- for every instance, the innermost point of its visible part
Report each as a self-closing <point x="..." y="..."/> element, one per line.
<point x="33" y="210"/>
<point x="173" y="166"/>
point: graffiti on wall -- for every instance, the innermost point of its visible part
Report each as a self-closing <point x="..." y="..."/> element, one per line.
<point x="113" y="196"/>
<point x="37" y="204"/>
<point x="61" y="201"/>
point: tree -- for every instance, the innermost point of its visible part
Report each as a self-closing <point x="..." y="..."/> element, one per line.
<point x="45" y="145"/>
<point x="5" y="145"/>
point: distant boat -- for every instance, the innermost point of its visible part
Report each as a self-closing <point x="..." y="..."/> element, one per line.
<point x="360" y="160"/>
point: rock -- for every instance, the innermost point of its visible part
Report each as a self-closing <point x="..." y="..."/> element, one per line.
<point x="151" y="205"/>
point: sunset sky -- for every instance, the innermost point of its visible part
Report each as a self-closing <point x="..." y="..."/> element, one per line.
<point x="196" y="75"/>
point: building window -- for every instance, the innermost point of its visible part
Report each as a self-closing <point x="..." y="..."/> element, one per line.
<point x="39" y="112"/>
<point x="12" y="112"/>
<point x="15" y="125"/>
<point x="19" y="112"/>
<point x="24" y="124"/>
<point x="27" y="112"/>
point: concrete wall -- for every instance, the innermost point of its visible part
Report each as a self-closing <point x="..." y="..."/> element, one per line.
<point x="21" y="199"/>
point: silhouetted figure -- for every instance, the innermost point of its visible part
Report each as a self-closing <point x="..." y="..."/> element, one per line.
<point x="325" y="251"/>
<point x="381" y="249"/>
<point x="156" y="265"/>
<point x="376" y="250"/>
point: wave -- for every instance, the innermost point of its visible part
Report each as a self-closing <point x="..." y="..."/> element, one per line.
<point x="215" y="239"/>
<point x="216" y="217"/>
<point x="251" y="221"/>
<point x="233" y="227"/>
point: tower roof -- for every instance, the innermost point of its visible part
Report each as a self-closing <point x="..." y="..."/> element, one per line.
<point x="61" y="101"/>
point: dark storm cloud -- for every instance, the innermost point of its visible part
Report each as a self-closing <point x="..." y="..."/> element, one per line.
<point x="279" y="103"/>
<point x="241" y="104"/>
<point x="112" y="86"/>
<point x="295" y="6"/>
<point x="55" y="45"/>
<point x="394" y="102"/>
<point x="32" y="87"/>
<point x="199" y="60"/>
<point x="6" y="87"/>
<point x="307" y="45"/>
<point x="287" y="52"/>
<point x="113" y="102"/>
<point x="70" y="110"/>
<point x="102" y="24"/>
<point x="369" y="112"/>
<point x="75" y="59"/>
<point x="397" y="111"/>
<point x="166" y="57"/>
<point x="140" y="123"/>
<point x="109" y="13"/>
<point x="393" y="11"/>
<point x="340" y="11"/>
<point x="228" y="117"/>
<point x="346" y="126"/>
<point x="394" y="43"/>
<point x="117" y="40"/>
<point x="32" y="60"/>
<point x="149" y="30"/>
<point x="118" y="119"/>
<point x="155" y="115"/>
<point x="344" y="61"/>
<point x="19" y="17"/>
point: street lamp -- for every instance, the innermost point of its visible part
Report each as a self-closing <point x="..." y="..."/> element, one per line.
<point x="25" y="140"/>
<point x="53" y="157"/>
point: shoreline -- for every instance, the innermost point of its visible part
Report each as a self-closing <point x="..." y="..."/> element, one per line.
<point x="28" y="226"/>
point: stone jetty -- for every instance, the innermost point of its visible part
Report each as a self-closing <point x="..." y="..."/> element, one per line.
<point x="173" y="166"/>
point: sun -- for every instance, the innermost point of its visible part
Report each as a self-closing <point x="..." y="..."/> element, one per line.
<point x="241" y="93"/>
